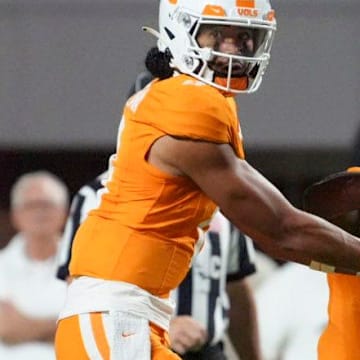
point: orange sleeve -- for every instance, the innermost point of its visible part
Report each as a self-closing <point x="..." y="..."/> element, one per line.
<point x="184" y="107"/>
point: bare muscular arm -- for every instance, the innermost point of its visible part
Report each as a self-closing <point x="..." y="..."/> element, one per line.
<point x="255" y="206"/>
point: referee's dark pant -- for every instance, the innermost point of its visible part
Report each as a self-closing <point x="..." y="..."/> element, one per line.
<point x="215" y="352"/>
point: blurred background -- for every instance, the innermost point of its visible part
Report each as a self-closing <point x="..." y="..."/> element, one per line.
<point x="66" y="67"/>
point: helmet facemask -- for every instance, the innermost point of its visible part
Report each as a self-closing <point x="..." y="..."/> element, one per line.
<point x="236" y="63"/>
<point x="239" y="69"/>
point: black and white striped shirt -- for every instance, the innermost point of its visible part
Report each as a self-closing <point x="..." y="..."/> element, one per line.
<point x="86" y="199"/>
<point x="227" y="255"/>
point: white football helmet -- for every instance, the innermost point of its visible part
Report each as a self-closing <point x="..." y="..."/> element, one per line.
<point x="179" y="24"/>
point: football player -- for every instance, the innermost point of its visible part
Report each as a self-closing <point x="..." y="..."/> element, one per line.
<point x="179" y="157"/>
<point x="337" y="199"/>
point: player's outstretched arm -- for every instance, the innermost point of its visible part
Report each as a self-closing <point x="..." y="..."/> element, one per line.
<point x="255" y="206"/>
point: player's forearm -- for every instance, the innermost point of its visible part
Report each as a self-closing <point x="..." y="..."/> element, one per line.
<point x="283" y="231"/>
<point x="305" y="238"/>
<point x="320" y="241"/>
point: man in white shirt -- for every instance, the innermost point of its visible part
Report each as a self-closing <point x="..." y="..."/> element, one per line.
<point x="30" y="295"/>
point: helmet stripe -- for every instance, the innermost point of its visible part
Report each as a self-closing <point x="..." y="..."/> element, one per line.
<point x="214" y="10"/>
<point x="245" y="3"/>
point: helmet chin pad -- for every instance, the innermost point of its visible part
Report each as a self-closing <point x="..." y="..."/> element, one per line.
<point x="240" y="83"/>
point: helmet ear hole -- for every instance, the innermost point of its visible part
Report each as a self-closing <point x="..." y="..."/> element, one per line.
<point x="169" y="34"/>
<point x="193" y="27"/>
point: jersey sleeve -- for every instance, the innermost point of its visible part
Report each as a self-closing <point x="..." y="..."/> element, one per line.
<point x="187" y="108"/>
<point x="241" y="256"/>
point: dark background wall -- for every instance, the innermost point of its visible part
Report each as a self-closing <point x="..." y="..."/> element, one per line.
<point x="66" y="67"/>
<point x="290" y="170"/>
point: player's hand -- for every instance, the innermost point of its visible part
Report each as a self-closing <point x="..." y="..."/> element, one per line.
<point x="186" y="334"/>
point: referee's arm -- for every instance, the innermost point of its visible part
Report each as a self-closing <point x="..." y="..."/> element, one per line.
<point x="243" y="327"/>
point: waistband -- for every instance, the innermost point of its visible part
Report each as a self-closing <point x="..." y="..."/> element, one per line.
<point x="86" y="294"/>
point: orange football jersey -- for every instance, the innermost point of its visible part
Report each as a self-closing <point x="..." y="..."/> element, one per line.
<point x="145" y="228"/>
<point x="340" y="338"/>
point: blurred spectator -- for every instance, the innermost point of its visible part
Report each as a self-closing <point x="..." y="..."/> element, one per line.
<point x="265" y="265"/>
<point x="291" y="306"/>
<point x="30" y="295"/>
